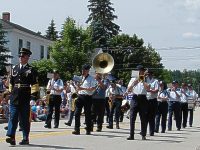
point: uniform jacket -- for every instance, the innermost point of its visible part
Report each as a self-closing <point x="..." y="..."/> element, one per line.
<point x="23" y="83"/>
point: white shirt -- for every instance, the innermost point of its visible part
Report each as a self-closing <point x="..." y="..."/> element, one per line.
<point x="162" y="94"/>
<point x="184" y="97"/>
<point x="192" y="95"/>
<point x="114" y="91"/>
<point x="154" y="85"/>
<point x="173" y="97"/>
<point x="52" y="84"/>
<point x="89" y="82"/>
<point x="138" y="88"/>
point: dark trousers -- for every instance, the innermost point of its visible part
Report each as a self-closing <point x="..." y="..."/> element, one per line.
<point x="98" y="109"/>
<point x="116" y="106"/>
<point x="139" y="104"/>
<point x="54" y="103"/>
<point x="121" y="115"/>
<point x="19" y="113"/>
<point x="152" y="110"/>
<point x="174" y="107"/>
<point x="161" y="113"/>
<point x="184" y="114"/>
<point x="71" y="116"/>
<point x="107" y="108"/>
<point x="86" y="102"/>
<point x="191" y="116"/>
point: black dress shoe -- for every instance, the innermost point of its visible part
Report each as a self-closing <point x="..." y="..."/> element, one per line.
<point x="143" y="137"/>
<point x="76" y="132"/>
<point x="6" y="128"/>
<point x="117" y="126"/>
<point x="47" y="126"/>
<point x="24" y="142"/>
<point x="99" y="129"/>
<point x="151" y="134"/>
<point x="55" y="127"/>
<point x="109" y="127"/>
<point x="67" y="123"/>
<point x="88" y="133"/>
<point x="11" y="141"/>
<point x="20" y="129"/>
<point x="130" y="138"/>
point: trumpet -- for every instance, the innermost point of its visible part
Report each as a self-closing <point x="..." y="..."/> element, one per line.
<point x="141" y="78"/>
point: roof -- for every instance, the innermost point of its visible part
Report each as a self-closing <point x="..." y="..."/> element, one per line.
<point x="10" y="25"/>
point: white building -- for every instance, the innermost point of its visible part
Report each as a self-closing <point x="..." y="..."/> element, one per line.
<point x="18" y="37"/>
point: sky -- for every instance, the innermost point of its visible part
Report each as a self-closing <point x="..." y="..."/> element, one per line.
<point x="170" y="26"/>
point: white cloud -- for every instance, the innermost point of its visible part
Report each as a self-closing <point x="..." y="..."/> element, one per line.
<point x="191" y="20"/>
<point x="190" y="35"/>
<point x="192" y="4"/>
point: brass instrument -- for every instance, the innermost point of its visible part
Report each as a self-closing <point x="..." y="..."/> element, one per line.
<point x="103" y="63"/>
<point x="141" y="77"/>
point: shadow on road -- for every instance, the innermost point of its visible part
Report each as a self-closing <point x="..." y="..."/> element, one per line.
<point x="50" y="146"/>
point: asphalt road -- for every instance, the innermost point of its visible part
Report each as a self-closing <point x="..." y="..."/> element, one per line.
<point x="108" y="139"/>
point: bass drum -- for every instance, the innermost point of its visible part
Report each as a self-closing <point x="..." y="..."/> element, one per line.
<point x="125" y="105"/>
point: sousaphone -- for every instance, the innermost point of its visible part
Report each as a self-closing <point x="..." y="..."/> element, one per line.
<point x="103" y="63"/>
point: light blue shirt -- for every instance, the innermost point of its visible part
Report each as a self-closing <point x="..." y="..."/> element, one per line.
<point x="89" y="82"/>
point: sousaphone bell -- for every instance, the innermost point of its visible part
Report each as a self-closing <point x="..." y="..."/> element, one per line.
<point x="103" y="63"/>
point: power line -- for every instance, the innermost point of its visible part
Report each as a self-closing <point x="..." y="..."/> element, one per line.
<point x="160" y="49"/>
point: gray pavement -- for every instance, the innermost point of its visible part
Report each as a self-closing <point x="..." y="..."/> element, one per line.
<point x="109" y="139"/>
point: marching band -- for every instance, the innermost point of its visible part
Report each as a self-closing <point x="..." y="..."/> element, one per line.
<point x="99" y="95"/>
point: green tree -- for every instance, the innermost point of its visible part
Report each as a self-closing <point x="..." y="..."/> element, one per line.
<point x="51" y="32"/>
<point x="128" y="52"/>
<point x="101" y="21"/>
<point x="4" y="51"/>
<point x="43" y="67"/>
<point x="73" y="49"/>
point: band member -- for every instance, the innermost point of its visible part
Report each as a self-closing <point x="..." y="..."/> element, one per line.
<point x="123" y="88"/>
<point x="184" y="105"/>
<point x="55" y="87"/>
<point x="152" y="94"/>
<point x="174" y="106"/>
<point x="139" y="103"/>
<point x="72" y="97"/>
<point x="23" y="83"/>
<point x="162" y="107"/>
<point x="98" y="107"/>
<point x="107" y="106"/>
<point x="192" y="97"/>
<point x="115" y="95"/>
<point x="85" y="91"/>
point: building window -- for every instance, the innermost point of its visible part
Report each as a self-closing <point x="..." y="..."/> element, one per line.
<point x="41" y="52"/>
<point x="20" y="44"/>
<point x="48" y="53"/>
<point x="28" y="45"/>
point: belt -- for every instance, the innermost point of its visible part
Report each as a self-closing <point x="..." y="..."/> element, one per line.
<point x="140" y="94"/>
<point x="19" y="85"/>
<point x="84" y="95"/>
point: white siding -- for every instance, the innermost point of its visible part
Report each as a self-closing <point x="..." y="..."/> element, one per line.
<point x="13" y="37"/>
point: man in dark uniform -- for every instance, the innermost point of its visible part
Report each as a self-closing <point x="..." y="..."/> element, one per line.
<point x="23" y="84"/>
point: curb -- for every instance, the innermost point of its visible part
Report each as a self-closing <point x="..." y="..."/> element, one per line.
<point x="3" y="121"/>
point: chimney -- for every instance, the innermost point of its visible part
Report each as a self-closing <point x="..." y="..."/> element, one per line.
<point x="6" y="16"/>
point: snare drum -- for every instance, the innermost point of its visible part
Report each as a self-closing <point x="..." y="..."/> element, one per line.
<point x="125" y="105"/>
<point x="191" y="104"/>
